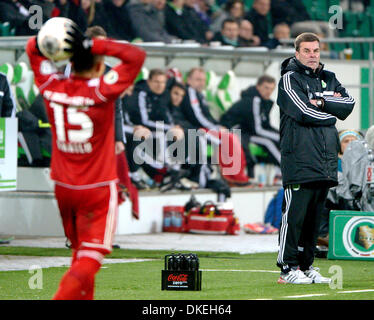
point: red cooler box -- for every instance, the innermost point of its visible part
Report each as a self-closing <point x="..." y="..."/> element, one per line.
<point x="212" y="219"/>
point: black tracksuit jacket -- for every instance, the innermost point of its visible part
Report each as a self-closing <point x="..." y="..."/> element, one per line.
<point x="251" y="114"/>
<point x="196" y="110"/>
<point x="146" y="108"/>
<point x="309" y="141"/>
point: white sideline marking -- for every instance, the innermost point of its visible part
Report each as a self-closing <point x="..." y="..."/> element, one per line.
<point x="325" y="294"/>
<point x="235" y="270"/>
<point x="307" y="295"/>
<point x="357" y="291"/>
<point x="14" y="263"/>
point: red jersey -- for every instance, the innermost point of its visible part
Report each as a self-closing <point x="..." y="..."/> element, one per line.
<point x="81" y="114"/>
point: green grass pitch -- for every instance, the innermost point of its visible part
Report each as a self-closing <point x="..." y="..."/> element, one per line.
<point x="226" y="276"/>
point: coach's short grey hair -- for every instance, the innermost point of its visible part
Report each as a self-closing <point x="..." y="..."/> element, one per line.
<point x="305" y="37"/>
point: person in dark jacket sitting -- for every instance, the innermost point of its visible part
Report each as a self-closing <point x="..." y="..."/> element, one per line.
<point x="229" y="34"/>
<point x="17" y="14"/>
<point x="151" y="27"/>
<point x="258" y="16"/>
<point x="251" y="115"/>
<point x="246" y="36"/>
<point x="280" y="32"/>
<point x="183" y="22"/>
<point x="196" y="111"/>
<point x="200" y="172"/>
<point x="148" y="107"/>
<point x="118" y="24"/>
<point x="310" y="99"/>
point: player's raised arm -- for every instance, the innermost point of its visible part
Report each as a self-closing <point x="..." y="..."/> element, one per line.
<point x="42" y="67"/>
<point x="122" y="75"/>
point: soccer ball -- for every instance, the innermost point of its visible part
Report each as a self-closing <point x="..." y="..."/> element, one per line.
<point x="51" y="38"/>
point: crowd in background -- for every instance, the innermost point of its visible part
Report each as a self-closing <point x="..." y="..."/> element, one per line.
<point x="230" y="22"/>
<point x="178" y="103"/>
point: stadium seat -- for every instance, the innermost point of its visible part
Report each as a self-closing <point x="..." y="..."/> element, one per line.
<point x="334" y="3"/>
<point x="364" y="24"/>
<point x="20" y="71"/>
<point x="210" y="91"/>
<point x="21" y="80"/>
<point x="223" y="96"/>
<point x="25" y="90"/>
<point x="5" y="30"/>
<point x="350" y="24"/>
<point x="143" y="75"/>
<point x="257" y="152"/>
<point x="8" y="70"/>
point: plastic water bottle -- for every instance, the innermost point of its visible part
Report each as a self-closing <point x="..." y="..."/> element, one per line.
<point x="262" y="175"/>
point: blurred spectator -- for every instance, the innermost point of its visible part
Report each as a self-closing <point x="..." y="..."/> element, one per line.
<point x="183" y="23"/>
<point x="357" y="188"/>
<point x="151" y="26"/>
<point x="177" y="93"/>
<point x="229" y="35"/>
<point x="196" y="111"/>
<point x="35" y="135"/>
<point x="325" y="47"/>
<point x="48" y="8"/>
<point x="334" y="200"/>
<point x="251" y="114"/>
<point x="233" y="9"/>
<point x="147" y="106"/>
<point x="118" y="24"/>
<point x="70" y="9"/>
<point x="294" y="13"/>
<point x="196" y="21"/>
<point x="88" y="7"/>
<point x="94" y="13"/>
<point x="196" y="171"/>
<point x="204" y="10"/>
<point x="258" y="16"/>
<point x="160" y="7"/>
<point x="246" y="36"/>
<point x="288" y="11"/>
<point x="281" y="31"/>
<point x="132" y="131"/>
<point x="17" y="14"/>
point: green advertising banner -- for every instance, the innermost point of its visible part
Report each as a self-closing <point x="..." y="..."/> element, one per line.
<point x="351" y="235"/>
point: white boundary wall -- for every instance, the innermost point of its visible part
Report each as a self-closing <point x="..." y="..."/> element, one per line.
<point x="33" y="211"/>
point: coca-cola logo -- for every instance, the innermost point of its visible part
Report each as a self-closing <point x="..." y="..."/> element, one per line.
<point x="178" y="278"/>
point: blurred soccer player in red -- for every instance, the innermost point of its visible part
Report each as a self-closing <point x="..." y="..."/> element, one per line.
<point x="81" y="111"/>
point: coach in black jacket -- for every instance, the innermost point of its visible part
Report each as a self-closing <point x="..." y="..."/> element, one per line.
<point x="310" y="99"/>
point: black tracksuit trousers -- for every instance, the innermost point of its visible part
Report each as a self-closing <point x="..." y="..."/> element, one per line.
<point x="301" y="215"/>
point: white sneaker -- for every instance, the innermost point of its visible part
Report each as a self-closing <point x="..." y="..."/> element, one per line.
<point x="295" y="276"/>
<point x="313" y="273"/>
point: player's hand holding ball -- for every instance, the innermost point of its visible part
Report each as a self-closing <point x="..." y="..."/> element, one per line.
<point x="78" y="43"/>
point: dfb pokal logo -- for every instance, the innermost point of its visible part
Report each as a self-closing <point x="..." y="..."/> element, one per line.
<point x="358" y="237"/>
